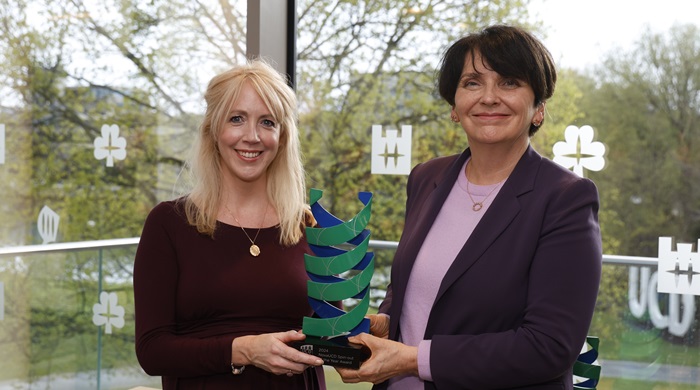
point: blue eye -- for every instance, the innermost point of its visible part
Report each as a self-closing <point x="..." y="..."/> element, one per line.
<point x="268" y="123"/>
<point x="236" y="119"/>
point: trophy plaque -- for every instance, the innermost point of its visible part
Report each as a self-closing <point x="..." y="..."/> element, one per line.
<point x="336" y="274"/>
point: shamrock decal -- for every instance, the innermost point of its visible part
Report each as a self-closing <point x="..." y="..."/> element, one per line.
<point x="110" y="146"/>
<point x="107" y="312"/>
<point x="579" y="151"/>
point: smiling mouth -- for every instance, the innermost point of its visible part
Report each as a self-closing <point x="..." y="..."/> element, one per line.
<point x="249" y="154"/>
<point x="491" y="116"/>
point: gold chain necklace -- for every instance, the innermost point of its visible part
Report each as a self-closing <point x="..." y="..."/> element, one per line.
<point x="476" y="206"/>
<point x="254" y="249"/>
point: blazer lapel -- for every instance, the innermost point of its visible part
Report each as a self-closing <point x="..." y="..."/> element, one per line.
<point x="500" y="214"/>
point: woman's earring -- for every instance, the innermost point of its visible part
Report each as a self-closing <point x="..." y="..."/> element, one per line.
<point x="537" y="123"/>
<point x="454" y="118"/>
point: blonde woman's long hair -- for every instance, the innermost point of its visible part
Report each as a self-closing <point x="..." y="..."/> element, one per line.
<point x="286" y="188"/>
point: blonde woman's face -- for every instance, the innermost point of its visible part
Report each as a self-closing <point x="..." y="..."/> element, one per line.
<point x="249" y="139"/>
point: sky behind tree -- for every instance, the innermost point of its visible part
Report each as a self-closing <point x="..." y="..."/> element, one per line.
<point x="582" y="32"/>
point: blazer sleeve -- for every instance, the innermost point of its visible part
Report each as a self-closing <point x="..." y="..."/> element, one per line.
<point x="563" y="280"/>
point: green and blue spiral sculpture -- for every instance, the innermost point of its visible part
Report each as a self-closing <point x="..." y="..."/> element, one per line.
<point x="328" y="261"/>
<point x="586" y="366"/>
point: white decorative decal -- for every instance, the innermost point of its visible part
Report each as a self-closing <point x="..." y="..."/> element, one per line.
<point x="110" y="146"/>
<point x="579" y="151"/>
<point x="2" y="301"/>
<point x="679" y="271"/>
<point x="2" y="143"/>
<point x="643" y="296"/>
<point x="107" y="312"/>
<point x="47" y="224"/>
<point x="391" y="155"/>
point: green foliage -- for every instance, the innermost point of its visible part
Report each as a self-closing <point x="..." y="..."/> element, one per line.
<point x="562" y="110"/>
<point x="643" y="104"/>
<point x="649" y="122"/>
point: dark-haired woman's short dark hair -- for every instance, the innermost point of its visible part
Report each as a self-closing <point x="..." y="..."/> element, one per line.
<point x="509" y="51"/>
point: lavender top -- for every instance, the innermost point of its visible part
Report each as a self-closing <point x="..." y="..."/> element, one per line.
<point x="450" y="231"/>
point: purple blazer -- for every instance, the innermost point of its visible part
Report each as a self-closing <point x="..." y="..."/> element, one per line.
<point x="514" y="309"/>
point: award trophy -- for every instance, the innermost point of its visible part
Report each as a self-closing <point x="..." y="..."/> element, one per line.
<point x="327" y="332"/>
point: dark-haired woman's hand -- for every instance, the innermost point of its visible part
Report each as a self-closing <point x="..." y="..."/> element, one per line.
<point x="379" y="325"/>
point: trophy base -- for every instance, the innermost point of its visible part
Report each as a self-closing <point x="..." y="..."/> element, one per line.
<point x="336" y="352"/>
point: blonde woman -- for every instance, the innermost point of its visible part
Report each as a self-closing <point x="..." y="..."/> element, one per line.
<point x="219" y="278"/>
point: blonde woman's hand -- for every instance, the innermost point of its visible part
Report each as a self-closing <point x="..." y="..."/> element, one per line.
<point x="272" y="353"/>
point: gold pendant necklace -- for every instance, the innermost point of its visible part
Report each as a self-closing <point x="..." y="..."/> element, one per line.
<point x="254" y="249"/>
<point x="476" y="206"/>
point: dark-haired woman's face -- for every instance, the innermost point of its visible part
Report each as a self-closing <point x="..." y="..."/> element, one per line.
<point x="494" y="109"/>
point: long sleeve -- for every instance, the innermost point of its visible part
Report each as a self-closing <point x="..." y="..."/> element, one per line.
<point x="159" y="347"/>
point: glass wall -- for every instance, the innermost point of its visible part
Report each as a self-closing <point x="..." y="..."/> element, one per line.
<point x="69" y="319"/>
<point x="99" y="101"/>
